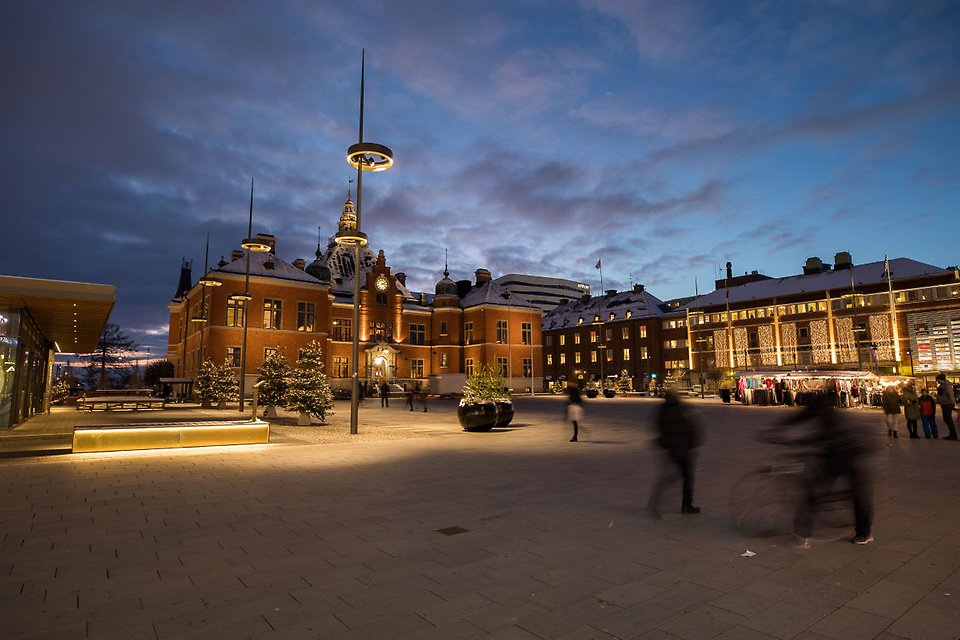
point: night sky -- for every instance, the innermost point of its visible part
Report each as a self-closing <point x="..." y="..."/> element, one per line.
<point x="529" y="136"/>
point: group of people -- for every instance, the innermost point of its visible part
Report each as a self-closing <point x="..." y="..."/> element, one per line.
<point x="922" y="408"/>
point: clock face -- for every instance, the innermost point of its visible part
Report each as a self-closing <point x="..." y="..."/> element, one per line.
<point x="382" y="283"/>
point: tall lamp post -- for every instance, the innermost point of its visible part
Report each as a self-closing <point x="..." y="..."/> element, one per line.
<point x="364" y="156"/>
<point x="251" y="245"/>
<point x="910" y="355"/>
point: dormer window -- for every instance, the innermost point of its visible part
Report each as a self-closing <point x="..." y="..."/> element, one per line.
<point x="579" y="320"/>
<point x="612" y="316"/>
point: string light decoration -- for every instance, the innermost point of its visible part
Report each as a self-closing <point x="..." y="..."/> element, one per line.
<point x="881" y="335"/>
<point x="820" y="340"/>
<point x="720" y="346"/>
<point x="768" y="347"/>
<point x="740" y="346"/>
<point x="788" y="342"/>
<point x="844" y="335"/>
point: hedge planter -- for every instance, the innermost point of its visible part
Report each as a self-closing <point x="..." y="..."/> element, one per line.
<point x="609" y="393"/>
<point x="478" y="416"/>
<point x="592" y="393"/>
<point x="504" y="413"/>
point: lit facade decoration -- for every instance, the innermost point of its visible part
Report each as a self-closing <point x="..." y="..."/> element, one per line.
<point x="820" y="341"/>
<point x="740" y="347"/>
<point x="788" y="343"/>
<point x="846" y="349"/>
<point x="768" y="346"/>
<point x="881" y="336"/>
<point x="406" y="336"/>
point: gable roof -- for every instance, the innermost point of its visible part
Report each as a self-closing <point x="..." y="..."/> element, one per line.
<point x="639" y="304"/>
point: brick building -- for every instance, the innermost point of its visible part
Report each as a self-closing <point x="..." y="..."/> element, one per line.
<point x="405" y="336"/>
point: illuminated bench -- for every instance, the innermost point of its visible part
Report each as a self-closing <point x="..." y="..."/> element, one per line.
<point x="169" y="435"/>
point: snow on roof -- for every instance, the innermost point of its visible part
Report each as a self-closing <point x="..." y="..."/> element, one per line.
<point x="836" y="280"/>
<point x="492" y="293"/>
<point x="281" y="269"/>
<point x="638" y="304"/>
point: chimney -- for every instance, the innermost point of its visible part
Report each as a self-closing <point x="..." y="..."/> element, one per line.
<point x="611" y="293"/>
<point x="222" y="263"/>
<point x="300" y="263"/>
<point x="842" y="260"/>
<point x="269" y="264"/>
<point x="638" y="288"/>
<point x="423" y="299"/>
<point x="463" y="288"/>
<point x="483" y="275"/>
<point x="401" y="277"/>
<point x="729" y="269"/>
<point x="268" y="239"/>
<point x="236" y="254"/>
<point x="813" y="265"/>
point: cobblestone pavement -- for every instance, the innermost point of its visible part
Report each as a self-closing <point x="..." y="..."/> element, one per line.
<point x="325" y="535"/>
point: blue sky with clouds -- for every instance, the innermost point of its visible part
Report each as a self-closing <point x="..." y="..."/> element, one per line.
<point x="530" y="136"/>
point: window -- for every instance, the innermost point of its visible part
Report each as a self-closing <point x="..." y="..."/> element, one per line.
<point x="467" y="333"/>
<point x="235" y="313"/>
<point x="548" y="341"/>
<point x="549" y="359"/>
<point x="625" y="333"/>
<point x="341" y="367"/>
<point x="343" y="329"/>
<point x="443" y="327"/>
<point x="233" y="355"/>
<point x="378" y="331"/>
<point x="443" y="360"/>
<point x="626" y="355"/>
<point x="381" y="298"/>
<point x="502" y="332"/>
<point x="609" y="353"/>
<point x="563" y="339"/>
<point x="468" y="366"/>
<point x="593" y="356"/>
<point x="418" y="333"/>
<point x="576" y="357"/>
<point x="502" y="365"/>
<point x="802" y="332"/>
<point x="593" y="336"/>
<point x="416" y="367"/>
<point x="563" y="358"/>
<point x="271" y="313"/>
<point x="675" y="344"/>
<point x="269" y="351"/>
<point x="306" y="314"/>
<point x="644" y="354"/>
<point x="526" y="332"/>
<point x="643" y="331"/>
<point x="576" y="338"/>
<point x="608" y="334"/>
<point x="527" y="368"/>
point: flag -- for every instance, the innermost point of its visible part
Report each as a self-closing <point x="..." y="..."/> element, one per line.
<point x="886" y="267"/>
<point x="598" y="264"/>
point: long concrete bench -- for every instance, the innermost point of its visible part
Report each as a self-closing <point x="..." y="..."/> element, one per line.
<point x="112" y="403"/>
<point x="169" y="435"/>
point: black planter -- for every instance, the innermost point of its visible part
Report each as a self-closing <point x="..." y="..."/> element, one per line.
<point x="609" y="393"/>
<point x="592" y="393"/>
<point x="504" y="413"/>
<point x="477" y="417"/>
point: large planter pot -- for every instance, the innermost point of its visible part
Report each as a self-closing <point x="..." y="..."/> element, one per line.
<point x="205" y="404"/>
<point x="222" y="404"/>
<point x="477" y="416"/>
<point x="609" y="393"/>
<point x="505" y="413"/>
<point x="592" y="393"/>
<point x="304" y="420"/>
<point x="270" y="412"/>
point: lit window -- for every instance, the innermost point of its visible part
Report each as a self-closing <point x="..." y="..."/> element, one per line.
<point x="271" y="313"/>
<point x="306" y="313"/>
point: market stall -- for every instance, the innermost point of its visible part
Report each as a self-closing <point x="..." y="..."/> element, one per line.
<point x="795" y="387"/>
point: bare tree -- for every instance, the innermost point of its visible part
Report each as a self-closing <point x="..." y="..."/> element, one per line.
<point x="112" y="347"/>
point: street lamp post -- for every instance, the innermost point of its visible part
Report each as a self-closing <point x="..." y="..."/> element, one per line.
<point x="364" y="156"/>
<point x="910" y="355"/>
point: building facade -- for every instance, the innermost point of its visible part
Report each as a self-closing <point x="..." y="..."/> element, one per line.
<point x="405" y="336"/>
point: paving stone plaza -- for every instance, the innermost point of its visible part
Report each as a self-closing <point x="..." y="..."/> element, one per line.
<point x="326" y="535"/>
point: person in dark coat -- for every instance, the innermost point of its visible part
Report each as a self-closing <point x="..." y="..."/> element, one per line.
<point x="574" y="409"/>
<point x="679" y="435"/>
<point x="842" y="450"/>
<point x="384" y="395"/>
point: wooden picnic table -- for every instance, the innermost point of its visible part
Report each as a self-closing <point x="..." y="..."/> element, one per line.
<point x="113" y="403"/>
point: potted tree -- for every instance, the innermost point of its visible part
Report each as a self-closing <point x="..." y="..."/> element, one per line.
<point x="624" y="383"/>
<point x="203" y="383"/>
<point x="609" y="390"/>
<point x="485" y="403"/>
<point x="225" y="384"/>
<point x="308" y="391"/>
<point x="274" y="372"/>
<point x="593" y="389"/>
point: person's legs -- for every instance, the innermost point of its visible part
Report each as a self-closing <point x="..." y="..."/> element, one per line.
<point x="686" y="473"/>
<point x="576" y="430"/>
<point x="912" y="428"/>
<point x="925" y="420"/>
<point x="668" y="472"/>
<point x="861" y="489"/>
<point x="947" y="411"/>
<point x="891" y="420"/>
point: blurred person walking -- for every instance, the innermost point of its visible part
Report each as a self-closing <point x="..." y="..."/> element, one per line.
<point x="911" y="409"/>
<point x="679" y="435"/>
<point x="928" y="414"/>
<point x="890" y="401"/>
<point x="841" y="451"/>
<point x="574" y="408"/>
<point x="947" y="401"/>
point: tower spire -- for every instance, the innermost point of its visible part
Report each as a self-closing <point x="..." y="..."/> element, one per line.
<point x="446" y="270"/>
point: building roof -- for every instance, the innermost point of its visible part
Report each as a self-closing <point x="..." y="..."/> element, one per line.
<point x="640" y="304"/>
<point x="871" y="273"/>
<point x="72" y="314"/>
<point x="491" y="293"/>
<point x="281" y="269"/>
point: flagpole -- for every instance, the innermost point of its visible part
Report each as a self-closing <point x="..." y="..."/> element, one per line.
<point x="893" y="312"/>
<point x="600" y="267"/>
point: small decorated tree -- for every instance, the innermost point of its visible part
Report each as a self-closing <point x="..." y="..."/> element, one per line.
<point x="308" y="391"/>
<point x="59" y="390"/>
<point x="624" y="383"/>
<point x="203" y="383"/>
<point x="486" y="401"/>
<point x="274" y="372"/>
<point x="226" y="386"/>
<point x="485" y="384"/>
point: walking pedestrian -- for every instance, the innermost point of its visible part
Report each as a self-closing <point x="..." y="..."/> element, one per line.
<point x="679" y="435"/>
<point x="384" y="394"/>
<point x="928" y="414"/>
<point x="911" y="409"/>
<point x="890" y="401"/>
<point x="842" y="451"/>
<point x="947" y="401"/>
<point x="410" y="399"/>
<point x="574" y="408"/>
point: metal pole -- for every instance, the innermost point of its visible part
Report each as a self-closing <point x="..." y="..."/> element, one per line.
<point x="246" y="309"/>
<point x="355" y="347"/>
